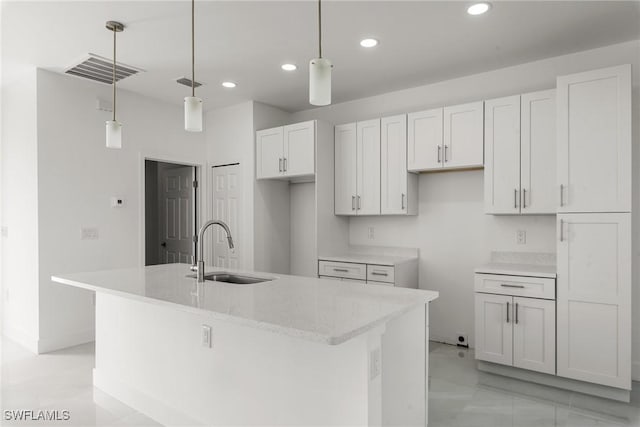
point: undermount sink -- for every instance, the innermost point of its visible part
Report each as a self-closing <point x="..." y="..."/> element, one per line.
<point x="232" y="278"/>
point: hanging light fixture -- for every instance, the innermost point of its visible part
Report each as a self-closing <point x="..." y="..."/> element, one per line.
<point x="320" y="72"/>
<point x="193" y="104"/>
<point x="114" y="128"/>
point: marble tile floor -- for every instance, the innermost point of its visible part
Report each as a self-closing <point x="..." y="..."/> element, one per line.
<point x="459" y="394"/>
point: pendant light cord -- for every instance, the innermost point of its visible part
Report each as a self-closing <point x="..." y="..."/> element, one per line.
<point x="320" y="28"/>
<point x="114" y="73"/>
<point x="193" y="48"/>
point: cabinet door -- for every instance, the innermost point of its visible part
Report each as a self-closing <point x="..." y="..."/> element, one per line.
<point x="594" y="298"/>
<point x="538" y="153"/>
<point x="534" y="334"/>
<point x="494" y="331"/>
<point x="299" y="149"/>
<point x="502" y="164"/>
<point x="463" y="136"/>
<point x="368" y="167"/>
<point x="393" y="159"/>
<point x="345" y="169"/>
<point x="269" y="149"/>
<point x="594" y="140"/>
<point x="424" y="140"/>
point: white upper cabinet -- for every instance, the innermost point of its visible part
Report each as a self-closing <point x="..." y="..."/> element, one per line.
<point x="345" y="169"/>
<point x="594" y="141"/>
<point x="519" y="174"/>
<point x="502" y="165"/>
<point x="463" y="145"/>
<point x="368" y="167"/>
<point x="286" y="151"/>
<point x="398" y="187"/>
<point x="424" y="140"/>
<point x="538" y="153"/>
<point x="594" y="298"/>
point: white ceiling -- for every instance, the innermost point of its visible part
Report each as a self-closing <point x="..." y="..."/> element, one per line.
<point x="247" y="41"/>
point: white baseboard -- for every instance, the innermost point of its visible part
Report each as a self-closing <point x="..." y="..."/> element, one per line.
<point x="142" y="402"/>
<point x="635" y="371"/>
<point x="21" y="337"/>
<point x="46" y="345"/>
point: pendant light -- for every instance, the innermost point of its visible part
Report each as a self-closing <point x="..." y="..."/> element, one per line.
<point x="192" y="104"/>
<point x="114" y="128"/>
<point x="320" y="72"/>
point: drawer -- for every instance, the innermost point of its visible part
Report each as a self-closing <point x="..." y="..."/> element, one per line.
<point x="522" y="286"/>
<point x="380" y="273"/>
<point x="347" y="270"/>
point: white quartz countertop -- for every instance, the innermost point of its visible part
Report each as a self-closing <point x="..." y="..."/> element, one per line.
<point x="367" y="259"/>
<point x="531" y="270"/>
<point x="324" y="311"/>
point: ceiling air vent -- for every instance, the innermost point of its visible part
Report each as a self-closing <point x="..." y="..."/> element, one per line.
<point x="187" y="82"/>
<point x="100" y="69"/>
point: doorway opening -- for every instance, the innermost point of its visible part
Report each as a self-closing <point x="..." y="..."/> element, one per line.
<point x="170" y="212"/>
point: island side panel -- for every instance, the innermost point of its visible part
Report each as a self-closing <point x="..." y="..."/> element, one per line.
<point x="151" y="358"/>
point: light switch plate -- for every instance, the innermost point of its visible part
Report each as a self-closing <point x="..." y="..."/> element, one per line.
<point x="206" y="336"/>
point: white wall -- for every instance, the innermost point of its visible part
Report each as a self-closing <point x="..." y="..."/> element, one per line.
<point x="77" y="175"/>
<point x="19" y="205"/>
<point x="303" y="229"/>
<point x="451" y="231"/>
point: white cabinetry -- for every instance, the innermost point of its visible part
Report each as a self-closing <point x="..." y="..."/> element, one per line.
<point x="286" y="151"/>
<point x="446" y="138"/>
<point x="345" y="169"/>
<point x="515" y="325"/>
<point x="396" y="183"/>
<point x="594" y="141"/>
<point x="594" y="298"/>
<point x="519" y="175"/>
<point x="371" y="271"/>
<point x="368" y="167"/>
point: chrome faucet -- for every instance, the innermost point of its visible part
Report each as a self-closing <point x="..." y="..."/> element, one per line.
<point x="200" y="267"/>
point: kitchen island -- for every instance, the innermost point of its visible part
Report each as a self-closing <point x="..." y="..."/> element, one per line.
<point x="287" y="351"/>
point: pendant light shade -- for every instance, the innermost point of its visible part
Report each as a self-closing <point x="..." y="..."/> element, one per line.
<point x="193" y="104"/>
<point x="320" y="72"/>
<point x="320" y="81"/>
<point x="113" y="127"/>
<point x="193" y="114"/>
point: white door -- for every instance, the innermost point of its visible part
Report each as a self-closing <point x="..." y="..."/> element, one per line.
<point x="538" y="153"/>
<point x="502" y="160"/>
<point x="269" y="153"/>
<point x="594" y="298"/>
<point x="594" y="140"/>
<point x="345" y="169"/>
<point x="463" y="136"/>
<point x="494" y="328"/>
<point x="176" y="214"/>
<point x="534" y="334"/>
<point x="227" y="207"/>
<point x="393" y="159"/>
<point x="368" y="167"/>
<point x="299" y="149"/>
<point x="424" y="140"/>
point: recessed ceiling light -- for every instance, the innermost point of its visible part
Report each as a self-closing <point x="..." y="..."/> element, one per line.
<point x="368" y="42"/>
<point x="229" y="85"/>
<point x="289" y="67"/>
<point x="478" y="8"/>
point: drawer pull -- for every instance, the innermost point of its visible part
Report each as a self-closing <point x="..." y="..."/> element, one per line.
<point x="374" y="273"/>
<point x="341" y="270"/>
<point x="516" y="313"/>
<point x="504" y="285"/>
<point x="507" y="312"/>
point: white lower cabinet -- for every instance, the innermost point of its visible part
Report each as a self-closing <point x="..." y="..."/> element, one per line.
<point x="515" y="331"/>
<point x="394" y="273"/>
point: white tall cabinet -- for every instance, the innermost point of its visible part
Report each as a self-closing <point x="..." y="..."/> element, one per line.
<point x="520" y="145"/>
<point x="594" y="227"/>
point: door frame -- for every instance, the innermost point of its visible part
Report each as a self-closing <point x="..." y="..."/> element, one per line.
<point x="200" y="208"/>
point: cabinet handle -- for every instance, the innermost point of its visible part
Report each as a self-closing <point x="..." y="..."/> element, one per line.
<point x="445" y="153"/>
<point x="341" y="270"/>
<point x="516" y="313"/>
<point x="402" y="201"/>
<point x="353" y="203"/>
<point x="561" y="230"/>
<point x="280" y="164"/>
<point x="359" y="204"/>
<point x="515" y="198"/>
<point x="375" y="273"/>
<point x="439" y="150"/>
<point x="561" y="195"/>
<point x="524" y="198"/>
<point x="504" y="285"/>
<point x="507" y="312"/>
<point x="284" y="164"/>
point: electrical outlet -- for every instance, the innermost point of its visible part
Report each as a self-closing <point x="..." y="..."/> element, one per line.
<point x="375" y="363"/>
<point x="89" y="233"/>
<point x="206" y="336"/>
<point x="462" y="340"/>
<point x="521" y="237"/>
<point x="371" y="233"/>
